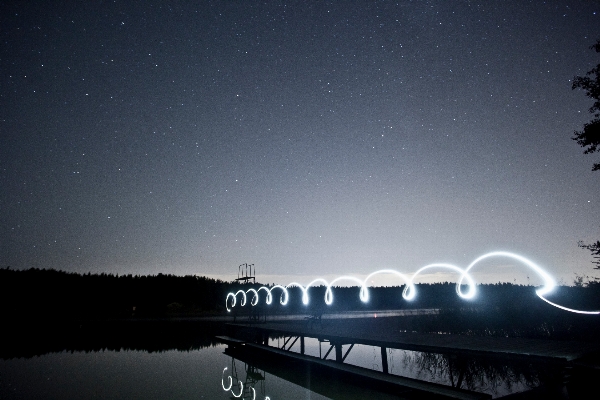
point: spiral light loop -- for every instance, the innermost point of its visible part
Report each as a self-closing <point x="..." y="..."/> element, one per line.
<point x="409" y="291"/>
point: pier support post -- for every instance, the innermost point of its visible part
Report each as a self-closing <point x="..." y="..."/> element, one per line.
<point x="384" y="360"/>
<point x="301" y="344"/>
<point x="338" y="353"/>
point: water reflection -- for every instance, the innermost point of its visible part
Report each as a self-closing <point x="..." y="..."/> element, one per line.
<point x="316" y="381"/>
<point x="494" y="376"/>
<point x="481" y="375"/>
<point x="82" y="352"/>
<point x="94" y="336"/>
<point x="245" y="390"/>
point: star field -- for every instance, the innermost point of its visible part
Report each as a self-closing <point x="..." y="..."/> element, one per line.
<point x="308" y="138"/>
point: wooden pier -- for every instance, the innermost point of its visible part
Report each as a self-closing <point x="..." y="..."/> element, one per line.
<point x="252" y="341"/>
<point x="555" y="351"/>
<point x="359" y="382"/>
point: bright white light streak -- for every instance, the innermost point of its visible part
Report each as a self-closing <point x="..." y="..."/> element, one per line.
<point x="549" y="283"/>
<point x="329" y="293"/>
<point x="243" y="302"/>
<point x="269" y="295"/>
<point x="234" y="299"/>
<point x="227" y="301"/>
<point x="305" y="289"/>
<point x="283" y="299"/>
<point x="409" y="291"/>
<point x="241" y="390"/>
<point x="470" y="281"/>
<point x="230" y="380"/>
<point x="364" y="291"/>
<point x="568" y="309"/>
<point x="254" y="300"/>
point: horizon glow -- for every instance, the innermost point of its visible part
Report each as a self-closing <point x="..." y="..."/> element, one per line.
<point x="409" y="291"/>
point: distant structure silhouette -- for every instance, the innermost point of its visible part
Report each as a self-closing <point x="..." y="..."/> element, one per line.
<point x="246" y="273"/>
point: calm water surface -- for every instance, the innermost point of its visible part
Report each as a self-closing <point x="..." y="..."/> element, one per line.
<point x="182" y="360"/>
<point x="195" y="374"/>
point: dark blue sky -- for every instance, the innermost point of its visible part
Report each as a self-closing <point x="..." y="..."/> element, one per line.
<point x="311" y="138"/>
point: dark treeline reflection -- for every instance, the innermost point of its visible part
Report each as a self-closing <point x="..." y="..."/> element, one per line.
<point x="34" y="339"/>
<point x="483" y="375"/>
<point x="493" y="376"/>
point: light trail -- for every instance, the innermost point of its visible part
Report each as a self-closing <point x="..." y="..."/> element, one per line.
<point x="229" y="387"/>
<point x="241" y="390"/>
<point x="364" y="291"/>
<point x="230" y="380"/>
<point x="409" y="291"/>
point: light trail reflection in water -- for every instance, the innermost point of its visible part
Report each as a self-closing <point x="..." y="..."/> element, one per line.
<point x="247" y="388"/>
<point x="497" y="378"/>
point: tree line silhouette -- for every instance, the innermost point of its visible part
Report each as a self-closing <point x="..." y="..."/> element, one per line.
<point x="75" y="312"/>
<point x="47" y="293"/>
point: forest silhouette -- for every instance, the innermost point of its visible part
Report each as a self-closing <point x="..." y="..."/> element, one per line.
<point x="70" y="311"/>
<point x="48" y="293"/>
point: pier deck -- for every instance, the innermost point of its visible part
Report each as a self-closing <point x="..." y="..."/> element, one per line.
<point x="565" y="363"/>
<point x="322" y="375"/>
<point x="513" y="348"/>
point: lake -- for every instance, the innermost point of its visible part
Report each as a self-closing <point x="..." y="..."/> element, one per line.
<point x="157" y="360"/>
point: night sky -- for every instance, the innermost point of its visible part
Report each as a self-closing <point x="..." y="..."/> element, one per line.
<point x="308" y="138"/>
